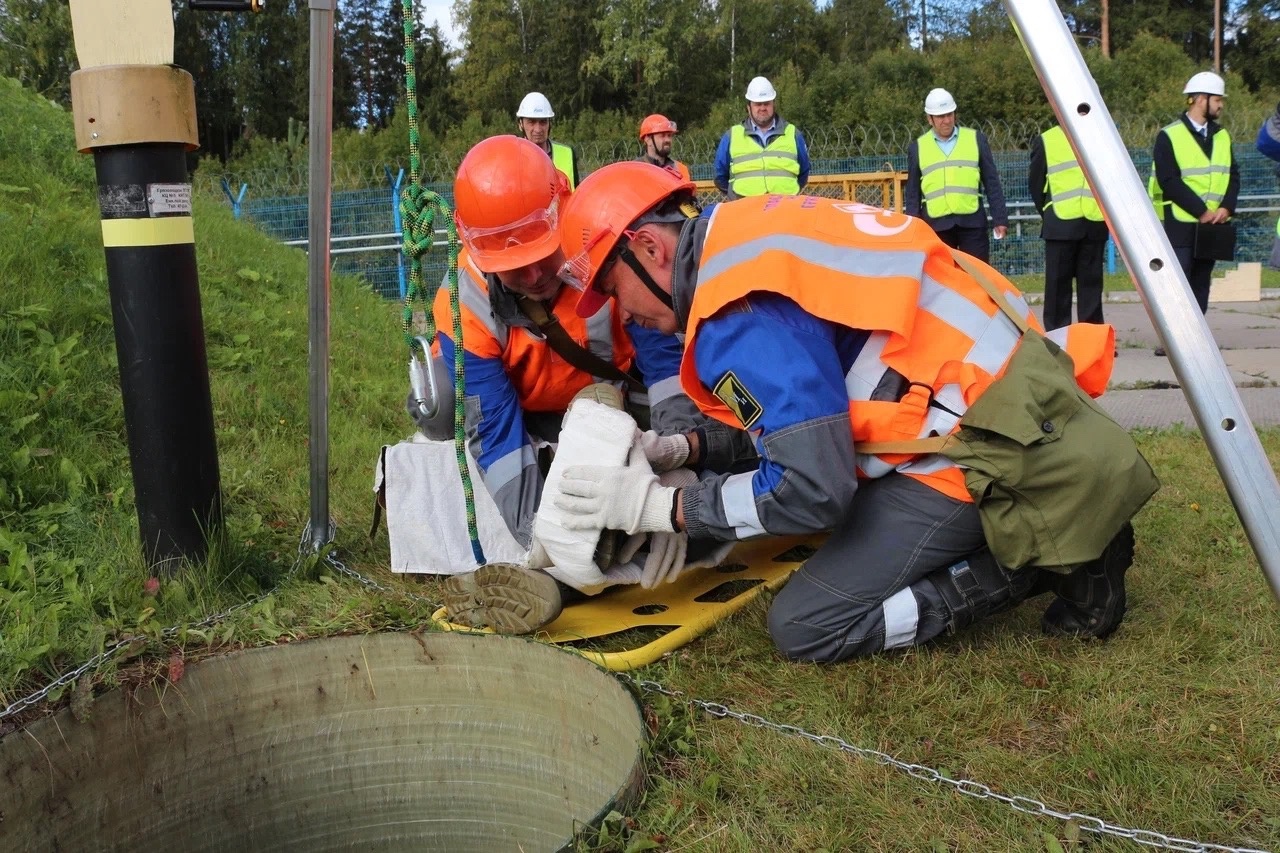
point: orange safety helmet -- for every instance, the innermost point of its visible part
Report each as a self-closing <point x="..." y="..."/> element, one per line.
<point x="507" y="197"/>
<point x="657" y="124"/>
<point x="598" y="214"/>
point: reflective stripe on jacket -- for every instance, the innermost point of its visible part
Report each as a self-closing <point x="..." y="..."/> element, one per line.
<point x="1068" y="191"/>
<point x="1208" y="177"/>
<point x="562" y="159"/>
<point x="934" y="332"/>
<point x="949" y="182"/>
<point x="543" y="381"/>
<point x="754" y="170"/>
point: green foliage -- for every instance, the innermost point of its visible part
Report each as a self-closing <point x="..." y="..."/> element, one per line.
<point x="36" y="46"/>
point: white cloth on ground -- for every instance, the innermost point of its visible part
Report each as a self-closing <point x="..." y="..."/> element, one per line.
<point x="426" y="513"/>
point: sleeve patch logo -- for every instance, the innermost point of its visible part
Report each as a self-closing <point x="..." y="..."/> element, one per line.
<point x="739" y="400"/>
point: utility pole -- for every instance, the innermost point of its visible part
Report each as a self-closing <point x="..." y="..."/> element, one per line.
<point x="1217" y="36"/>
<point x="1106" y="28"/>
<point x="733" y="35"/>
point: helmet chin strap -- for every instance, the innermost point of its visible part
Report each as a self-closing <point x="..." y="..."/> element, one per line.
<point x="643" y="274"/>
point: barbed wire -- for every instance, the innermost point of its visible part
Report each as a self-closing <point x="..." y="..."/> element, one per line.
<point x="827" y="144"/>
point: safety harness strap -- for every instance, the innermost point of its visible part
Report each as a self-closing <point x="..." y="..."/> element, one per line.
<point x="570" y="350"/>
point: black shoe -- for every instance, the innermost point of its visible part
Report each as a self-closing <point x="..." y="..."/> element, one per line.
<point x="978" y="586"/>
<point x="1160" y="352"/>
<point x="508" y="598"/>
<point x="1091" y="600"/>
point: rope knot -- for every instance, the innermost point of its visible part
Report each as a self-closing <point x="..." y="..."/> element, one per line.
<point x="418" y="209"/>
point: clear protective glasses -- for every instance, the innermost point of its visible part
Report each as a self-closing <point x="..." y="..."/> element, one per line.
<point x="538" y="226"/>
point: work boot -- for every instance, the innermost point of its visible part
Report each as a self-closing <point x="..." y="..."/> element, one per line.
<point x="600" y="392"/>
<point x="978" y="586"/>
<point x="1091" y="599"/>
<point x="503" y="596"/>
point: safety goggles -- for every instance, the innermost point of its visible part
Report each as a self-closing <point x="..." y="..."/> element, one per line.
<point x="539" y="226"/>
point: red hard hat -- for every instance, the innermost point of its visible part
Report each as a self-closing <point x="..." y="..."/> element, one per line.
<point x="596" y="215"/>
<point x="657" y="124"/>
<point x="507" y="197"/>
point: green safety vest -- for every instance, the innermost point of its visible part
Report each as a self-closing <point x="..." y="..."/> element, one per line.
<point x="774" y="168"/>
<point x="949" y="183"/>
<point x="562" y="158"/>
<point x="1069" y="193"/>
<point x="1208" y="177"/>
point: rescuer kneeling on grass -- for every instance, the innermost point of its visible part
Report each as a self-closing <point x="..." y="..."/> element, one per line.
<point x="527" y="354"/>
<point x="885" y="381"/>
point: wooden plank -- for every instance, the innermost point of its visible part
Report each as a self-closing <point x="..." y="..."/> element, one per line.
<point x="122" y="32"/>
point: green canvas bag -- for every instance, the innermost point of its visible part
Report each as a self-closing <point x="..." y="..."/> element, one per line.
<point x="1053" y="476"/>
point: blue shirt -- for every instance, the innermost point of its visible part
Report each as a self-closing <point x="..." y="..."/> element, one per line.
<point x="753" y="339"/>
<point x="722" y="152"/>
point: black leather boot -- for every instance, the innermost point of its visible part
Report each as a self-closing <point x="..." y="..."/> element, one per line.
<point x="978" y="586"/>
<point x="1091" y="600"/>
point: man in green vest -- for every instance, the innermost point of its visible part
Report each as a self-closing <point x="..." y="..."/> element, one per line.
<point x="534" y="118"/>
<point x="765" y="154"/>
<point x="949" y="168"/>
<point x="1195" y="178"/>
<point x="1072" y="229"/>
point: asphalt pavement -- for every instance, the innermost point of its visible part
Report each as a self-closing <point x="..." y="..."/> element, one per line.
<point x="1145" y="392"/>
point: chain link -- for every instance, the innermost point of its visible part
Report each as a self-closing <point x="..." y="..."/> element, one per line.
<point x="305" y="550"/>
<point x="968" y="787"/>
<point x="717" y="710"/>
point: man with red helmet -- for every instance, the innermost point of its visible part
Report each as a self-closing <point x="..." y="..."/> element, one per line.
<point x="657" y="134"/>
<point x="520" y="331"/>
<point x="825" y="328"/>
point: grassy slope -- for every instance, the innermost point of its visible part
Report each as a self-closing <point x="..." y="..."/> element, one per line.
<point x="1173" y="725"/>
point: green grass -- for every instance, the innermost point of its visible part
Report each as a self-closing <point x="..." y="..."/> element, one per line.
<point x="1173" y="725"/>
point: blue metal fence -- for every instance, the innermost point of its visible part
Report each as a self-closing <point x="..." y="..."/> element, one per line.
<point x="366" y="222"/>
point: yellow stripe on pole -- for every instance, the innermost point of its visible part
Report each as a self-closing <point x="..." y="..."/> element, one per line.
<point x="169" y="231"/>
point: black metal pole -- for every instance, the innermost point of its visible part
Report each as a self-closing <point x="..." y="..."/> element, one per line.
<point x="145" y="200"/>
<point x="139" y="122"/>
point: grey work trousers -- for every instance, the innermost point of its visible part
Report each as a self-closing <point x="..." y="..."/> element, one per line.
<point x="864" y="591"/>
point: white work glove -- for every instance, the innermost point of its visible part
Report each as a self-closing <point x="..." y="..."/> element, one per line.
<point x="602" y="497"/>
<point x="667" y="550"/>
<point x="664" y="452"/>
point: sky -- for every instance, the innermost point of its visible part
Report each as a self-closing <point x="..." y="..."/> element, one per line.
<point x="440" y="12"/>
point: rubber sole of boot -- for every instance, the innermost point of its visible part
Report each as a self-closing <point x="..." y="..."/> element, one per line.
<point x="505" y="597"/>
<point x="1065" y="618"/>
<point x="601" y="392"/>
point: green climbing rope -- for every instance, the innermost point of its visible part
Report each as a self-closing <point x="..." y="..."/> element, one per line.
<point x="419" y="208"/>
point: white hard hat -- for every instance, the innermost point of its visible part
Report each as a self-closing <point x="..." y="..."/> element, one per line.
<point x="939" y="102"/>
<point x="535" y="105"/>
<point x="760" y="90"/>
<point x="1206" y="82"/>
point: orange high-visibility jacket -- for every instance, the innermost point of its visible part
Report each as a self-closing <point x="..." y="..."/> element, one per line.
<point x="889" y="274"/>
<point x="543" y="381"/>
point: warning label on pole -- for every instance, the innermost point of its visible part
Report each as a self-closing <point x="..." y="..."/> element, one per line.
<point x="169" y="199"/>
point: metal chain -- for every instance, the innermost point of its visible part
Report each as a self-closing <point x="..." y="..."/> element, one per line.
<point x="119" y="646"/>
<point x="977" y="790"/>
<point x="717" y="710"/>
